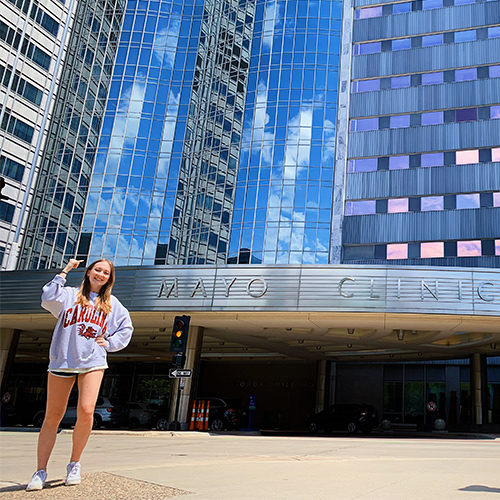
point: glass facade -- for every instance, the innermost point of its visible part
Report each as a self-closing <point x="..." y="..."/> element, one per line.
<point x="207" y="132"/>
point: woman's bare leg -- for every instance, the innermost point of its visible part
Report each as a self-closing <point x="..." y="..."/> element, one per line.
<point x="58" y="391"/>
<point x="88" y="390"/>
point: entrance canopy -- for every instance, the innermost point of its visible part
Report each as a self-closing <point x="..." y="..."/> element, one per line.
<point x="248" y="312"/>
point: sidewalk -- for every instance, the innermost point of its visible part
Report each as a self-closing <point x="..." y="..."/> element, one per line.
<point x="154" y="465"/>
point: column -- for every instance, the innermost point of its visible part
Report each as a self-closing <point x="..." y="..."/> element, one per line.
<point x="321" y="385"/>
<point x="478" y="388"/>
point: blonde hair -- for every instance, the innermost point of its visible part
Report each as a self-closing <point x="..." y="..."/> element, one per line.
<point x="103" y="300"/>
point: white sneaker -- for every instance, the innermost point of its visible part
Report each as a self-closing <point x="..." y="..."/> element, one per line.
<point x="37" y="481"/>
<point x="73" y="476"/>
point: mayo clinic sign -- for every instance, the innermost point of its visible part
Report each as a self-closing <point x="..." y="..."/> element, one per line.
<point x="294" y="288"/>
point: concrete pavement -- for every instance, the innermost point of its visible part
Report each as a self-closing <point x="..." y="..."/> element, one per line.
<point x="202" y="466"/>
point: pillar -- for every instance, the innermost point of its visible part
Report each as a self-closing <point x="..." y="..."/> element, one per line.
<point x="321" y="385"/>
<point x="478" y="389"/>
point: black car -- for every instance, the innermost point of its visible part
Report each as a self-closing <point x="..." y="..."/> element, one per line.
<point x="224" y="414"/>
<point x="352" y="417"/>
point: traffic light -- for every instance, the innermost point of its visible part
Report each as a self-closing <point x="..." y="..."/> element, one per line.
<point x="178" y="343"/>
<point x="178" y="360"/>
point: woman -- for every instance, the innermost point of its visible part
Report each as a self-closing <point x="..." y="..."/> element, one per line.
<point x="91" y="322"/>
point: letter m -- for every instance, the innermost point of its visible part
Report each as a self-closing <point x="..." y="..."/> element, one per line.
<point x="168" y="288"/>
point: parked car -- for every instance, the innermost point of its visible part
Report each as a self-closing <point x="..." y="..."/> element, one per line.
<point x="352" y="417"/>
<point x="22" y="413"/>
<point x="224" y="414"/>
<point x="140" y="414"/>
<point x="109" y="411"/>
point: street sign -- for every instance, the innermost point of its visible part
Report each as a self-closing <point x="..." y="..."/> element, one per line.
<point x="252" y="403"/>
<point x="177" y="373"/>
<point x="6" y="397"/>
<point x="431" y="406"/>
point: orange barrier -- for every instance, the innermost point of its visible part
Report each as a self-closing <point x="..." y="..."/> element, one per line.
<point x="207" y="413"/>
<point x="193" y="417"/>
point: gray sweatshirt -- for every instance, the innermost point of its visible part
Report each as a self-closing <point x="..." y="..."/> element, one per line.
<point x="73" y="343"/>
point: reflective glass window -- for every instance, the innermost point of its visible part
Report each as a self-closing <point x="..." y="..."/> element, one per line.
<point x="364" y="124"/>
<point x="397" y="251"/>
<point x="466" y="157"/>
<point x="465" y="74"/>
<point x="398" y="82"/>
<point x="399" y="162"/>
<point x="465" y="36"/>
<point x="369" y="12"/>
<point x="496" y="199"/>
<point x="431" y="4"/>
<point x="366" y="85"/>
<point x="431" y="159"/>
<point x="362" y="165"/>
<point x="494" y="112"/>
<point x="466" y="115"/>
<point x="430" y="40"/>
<point x="400" y="121"/>
<point x="495" y="71"/>
<point x="401" y="44"/>
<point x="431" y="250"/>
<point x="497" y="247"/>
<point x="429" y="203"/>
<point x="367" y="48"/>
<point x="469" y="248"/>
<point x="399" y="8"/>
<point x="432" y="78"/>
<point x="396" y="205"/>
<point x="467" y="200"/>
<point x="495" y="154"/>
<point x="432" y="118"/>
<point x="363" y="207"/>
<point x="494" y="32"/>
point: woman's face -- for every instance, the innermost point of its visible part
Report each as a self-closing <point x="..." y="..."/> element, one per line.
<point x="99" y="276"/>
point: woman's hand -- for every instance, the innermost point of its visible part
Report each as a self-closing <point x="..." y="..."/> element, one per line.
<point x="100" y="340"/>
<point x="72" y="264"/>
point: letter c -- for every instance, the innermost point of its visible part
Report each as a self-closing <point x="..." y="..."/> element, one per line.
<point x="341" y="284"/>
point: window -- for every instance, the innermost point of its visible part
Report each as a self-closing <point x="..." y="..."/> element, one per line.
<point x="468" y="201"/>
<point x="431" y="159"/>
<point x="367" y="48"/>
<point x="433" y="118"/>
<point x="399" y="162"/>
<point x="368" y="12"/>
<point x="401" y="44"/>
<point x="397" y="251"/>
<point x="462" y="75"/>
<point x="6" y="212"/>
<point x="466" y="157"/>
<point x="465" y="36"/>
<point x="400" y="121"/>
<point x="11" y="168"/>
<point x="364" y="124"/>
<point x="469" y="248"/>
<point x="494" y="112"/>
<point x="430" y="40"/>
<point x="466" y="115"/>
<point x="399" y="82"/>
<point x="497" y="247"/>
<point x="397" y="205"/>
<point x="495" y="154"/>
<point x="432" y="250"/>
<point x="432" y="78"/>
<point x="362" y="165"/>
<point x="495" y="71"/>
<point x="399" y="8"/>
<point x="429" y="203"/>
<point x="494" y="32"/>
<point x="431" y="4"/>
<point x="366" y="85"/>
<point x="364" y="207"/>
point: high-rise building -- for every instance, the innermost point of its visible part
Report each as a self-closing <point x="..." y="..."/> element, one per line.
<point x="301" y="157"/>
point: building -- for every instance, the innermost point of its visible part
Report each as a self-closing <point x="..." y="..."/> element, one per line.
<point x="316" y="183"/>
